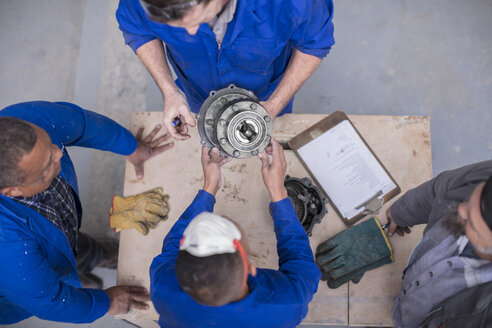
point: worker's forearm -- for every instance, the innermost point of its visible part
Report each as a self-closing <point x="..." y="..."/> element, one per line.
<point x="153" y="56"/>
<point x="295" y="255"/>
<point x="300" y="68"/>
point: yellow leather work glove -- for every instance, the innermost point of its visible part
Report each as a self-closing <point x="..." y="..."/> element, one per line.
<point x="142" y="211"/>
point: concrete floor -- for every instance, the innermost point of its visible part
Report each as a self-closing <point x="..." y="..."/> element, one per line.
<point x="391" y="58"/>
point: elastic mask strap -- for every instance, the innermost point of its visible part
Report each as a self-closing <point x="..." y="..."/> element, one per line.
<point x="244" y="258"/>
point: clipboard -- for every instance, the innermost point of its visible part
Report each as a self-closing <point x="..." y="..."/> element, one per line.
<point x="353" y="151"/>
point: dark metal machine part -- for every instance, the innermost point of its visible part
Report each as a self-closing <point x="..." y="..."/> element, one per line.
<point x="232" y="120"/>
<point x="308" y="201"/>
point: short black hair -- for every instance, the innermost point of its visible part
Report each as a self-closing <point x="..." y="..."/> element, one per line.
<point x="163" y="11"/>
<point x="486" y="202"/>
<point x="212" y="280"/>
<point x="17" y="138"/>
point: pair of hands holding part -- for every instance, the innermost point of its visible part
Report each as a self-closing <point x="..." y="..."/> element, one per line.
<point x="273" y="163"/>
<point x="176" y="107"/>
<point x="273" y="168"/>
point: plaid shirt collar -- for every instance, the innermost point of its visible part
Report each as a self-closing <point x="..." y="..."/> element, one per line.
<point x="57" y="204"/>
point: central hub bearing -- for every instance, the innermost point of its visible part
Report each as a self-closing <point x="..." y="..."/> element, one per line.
<point x="232" y="120"/>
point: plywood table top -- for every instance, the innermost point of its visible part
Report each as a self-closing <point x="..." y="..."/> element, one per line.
<point x="402" y="143"/>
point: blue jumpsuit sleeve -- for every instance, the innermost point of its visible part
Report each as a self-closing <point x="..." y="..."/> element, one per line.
<point x="296" y="259"/>
<point x="29" y="281"/>
<point x="133" y="23"/>
<point x="70" y="125"/>
<point x="314" y="32"/>
<point x="203" y="202"/>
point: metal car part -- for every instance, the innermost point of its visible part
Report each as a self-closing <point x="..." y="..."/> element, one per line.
<point x="232" y="120"/>
<point x="308" y="201"/>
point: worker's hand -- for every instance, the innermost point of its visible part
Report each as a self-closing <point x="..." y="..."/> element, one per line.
<point x="123" y="298"/>
<point x="212" y="163"/>
<point x="148" y="147"/>
<point x="393" y="227"/>
<point x="274" y="172"/>
<point x="176" y="107"/>
<point x="142" y="211"/>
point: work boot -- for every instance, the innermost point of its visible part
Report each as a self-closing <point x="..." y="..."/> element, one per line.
<point x="110" y="248"/>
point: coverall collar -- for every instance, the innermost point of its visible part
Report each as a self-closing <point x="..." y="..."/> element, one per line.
<point x="244" y="18"/>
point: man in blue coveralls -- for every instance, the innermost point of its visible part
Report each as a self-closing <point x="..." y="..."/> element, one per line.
<point x="40" y="211"/>
<point x="205" y="279"/>
<point x="268" y="46"/>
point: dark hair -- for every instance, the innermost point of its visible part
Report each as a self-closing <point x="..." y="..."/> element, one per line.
<point x="17" y="138"/>
<point x="212" y="280"/>
<point x="486" y="202"/>
<point x="163" y="11"/>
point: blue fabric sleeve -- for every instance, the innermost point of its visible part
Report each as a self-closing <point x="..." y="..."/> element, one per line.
<point x="38" y="290"/>
<point x="314" y="32"/>
<point x="70" y="125"/>
<point x="296" y="259"/>
<point x="131" y="18"/>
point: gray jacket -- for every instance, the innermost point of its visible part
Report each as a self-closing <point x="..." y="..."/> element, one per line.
<point x="436" y="272"/>
<point x="476" y="312"/>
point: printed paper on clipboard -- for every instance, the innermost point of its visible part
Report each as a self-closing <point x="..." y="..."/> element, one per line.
<point x="345" y="168"/>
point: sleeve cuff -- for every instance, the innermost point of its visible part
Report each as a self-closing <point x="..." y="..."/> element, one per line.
<point x="132" y="146"/>
<point x="137" y="43"/>
<point x="394" y="210"/>
<point x="283" y="208"/>
<point x="206" y="198"/>
<point x="101" y="302"/>
<point x="320" y="53"/>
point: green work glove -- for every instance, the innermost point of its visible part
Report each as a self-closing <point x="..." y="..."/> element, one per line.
<point x="142" y="211"/>
<point x="350" y="253"/>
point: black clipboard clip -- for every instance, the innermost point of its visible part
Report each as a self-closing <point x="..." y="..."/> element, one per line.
<point x="373" y="205"/>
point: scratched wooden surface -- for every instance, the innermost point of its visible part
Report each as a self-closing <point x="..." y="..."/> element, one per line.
<point x="401" y="143"/>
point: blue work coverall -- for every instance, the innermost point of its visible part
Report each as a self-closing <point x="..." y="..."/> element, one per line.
<point x="254" y="54"/>
<point x="37" y="265"/>
<point x="277" y="298"/>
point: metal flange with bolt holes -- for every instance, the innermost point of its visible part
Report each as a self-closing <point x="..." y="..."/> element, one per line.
<point x="232" y="120"/>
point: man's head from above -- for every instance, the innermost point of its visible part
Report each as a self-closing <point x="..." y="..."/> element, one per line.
<point x="474" y="218"/>
<point x="212" y="265"/>
<point x="188" y="14"/>
<point x="28" y="159"/>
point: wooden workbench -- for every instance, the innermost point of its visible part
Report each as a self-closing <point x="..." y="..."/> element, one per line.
<point x="402" y="143"/>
